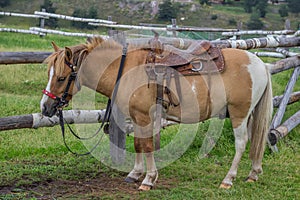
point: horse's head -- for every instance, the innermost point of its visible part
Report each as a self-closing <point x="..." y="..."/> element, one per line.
<point x="62" y="71"/>
<point x="63" y="66"/>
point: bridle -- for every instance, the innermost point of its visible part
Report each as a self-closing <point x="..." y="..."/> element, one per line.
<point x="63" y="102"/>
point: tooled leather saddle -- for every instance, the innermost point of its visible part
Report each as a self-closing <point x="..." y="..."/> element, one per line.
<point x="201" y="57"/>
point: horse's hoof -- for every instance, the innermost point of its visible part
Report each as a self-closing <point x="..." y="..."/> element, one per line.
<point x="145" y="188"/>
<point x="130" y="180"/>
<point x="225" y="186"/>
<point x="250" y="180"/>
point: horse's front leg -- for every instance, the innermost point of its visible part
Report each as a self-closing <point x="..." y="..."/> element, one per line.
<point x="143" y="143"/>
<point x="138" y="168"/>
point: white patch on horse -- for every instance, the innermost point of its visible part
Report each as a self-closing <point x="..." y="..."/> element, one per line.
<point x="45" y="97"/>
<point x="194" y="87"/>
<point x="259" y="81"/>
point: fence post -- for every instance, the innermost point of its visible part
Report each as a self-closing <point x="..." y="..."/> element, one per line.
<point x="174" y="26"/>
<point x="117" y="136"/>
<point x="287" y="24"/>
<point x="42" y="21"/>
<point x="110" y="31"/>
<point x="239" y="27"/>
<point x="282" y="107"/>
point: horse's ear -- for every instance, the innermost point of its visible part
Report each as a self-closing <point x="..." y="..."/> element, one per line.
<point x="68" y="54"/>
<point x="55" y="47"/>
<point x="89" y="40"/>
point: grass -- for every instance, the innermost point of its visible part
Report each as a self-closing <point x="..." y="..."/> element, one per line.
<point x="32" y="161"/>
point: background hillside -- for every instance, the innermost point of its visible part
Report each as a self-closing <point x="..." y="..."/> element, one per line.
<point x="137" y="11"/>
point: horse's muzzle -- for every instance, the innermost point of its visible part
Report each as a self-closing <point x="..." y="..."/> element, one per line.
<point x="49" y="110"/>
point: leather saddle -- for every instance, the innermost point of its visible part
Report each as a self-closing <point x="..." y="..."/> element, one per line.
<point x="199" y="58"/>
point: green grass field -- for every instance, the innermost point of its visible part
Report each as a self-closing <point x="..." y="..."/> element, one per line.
<point x="34" y="163"/>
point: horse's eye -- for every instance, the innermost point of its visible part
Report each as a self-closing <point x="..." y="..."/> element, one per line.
<point x="61" y="79"/>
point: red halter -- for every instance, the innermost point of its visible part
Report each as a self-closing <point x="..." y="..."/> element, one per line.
<point x="49" y="94"/>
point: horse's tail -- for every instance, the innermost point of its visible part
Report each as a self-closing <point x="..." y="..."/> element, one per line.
<point x="261" y="118"/>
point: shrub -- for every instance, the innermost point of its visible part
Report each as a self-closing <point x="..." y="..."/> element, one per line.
<point x="232" y="22"/>
<point x="4" y="3"/>
<point x="255" y="22"/>
<point x="283" y="10"/>
<point x="214" y="17"/>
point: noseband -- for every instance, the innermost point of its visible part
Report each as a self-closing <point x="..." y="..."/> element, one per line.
<point x="63" y="102"/>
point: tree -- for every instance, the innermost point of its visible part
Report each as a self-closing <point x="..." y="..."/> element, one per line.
<point x="261" y="7"/>
<point x="4" y="3"/>
<point x="167" y="11"/>
<point x="79" y="13"/>
<point x="203" y="2"/>
<point x="255" y="22"/>
<point x="293" y="6"/>
<point x="248" y="4"/>
<point x="93" y="14"/>
<point x="283" y="11"/>
<point x="51" y="22"/>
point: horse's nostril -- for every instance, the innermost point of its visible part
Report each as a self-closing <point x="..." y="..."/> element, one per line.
<point x="44" y="111"/>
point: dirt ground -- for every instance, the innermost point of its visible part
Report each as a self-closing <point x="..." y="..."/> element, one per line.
<point x="110" y="188"/>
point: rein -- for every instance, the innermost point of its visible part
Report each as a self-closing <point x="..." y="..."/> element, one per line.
<point x="63" y="102"/>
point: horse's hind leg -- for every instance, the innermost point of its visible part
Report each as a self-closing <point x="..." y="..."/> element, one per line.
<point x="241" y="139"/>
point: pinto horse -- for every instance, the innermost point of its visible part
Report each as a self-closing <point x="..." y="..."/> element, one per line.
<point x="243" y="88"/>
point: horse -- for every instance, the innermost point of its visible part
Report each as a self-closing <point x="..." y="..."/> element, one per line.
<point x="246" y="93"/>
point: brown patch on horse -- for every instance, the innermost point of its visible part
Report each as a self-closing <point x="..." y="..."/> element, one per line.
<point x="239" y="100"/>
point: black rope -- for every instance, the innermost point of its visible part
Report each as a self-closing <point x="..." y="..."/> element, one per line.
<point x="62" y="126"/>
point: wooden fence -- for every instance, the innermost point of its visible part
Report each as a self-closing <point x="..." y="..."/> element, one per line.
<point x="173" y="27"/>
<point x="275" y="44"/>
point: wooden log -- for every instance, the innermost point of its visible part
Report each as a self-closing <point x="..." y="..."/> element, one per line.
<point x="16" y="122"/>
<point x="160" y="28"/>
<point x="37" y="120"/>
<point x="23" y="57"/>
<point x="293" y="98"/>
<point x="265" y="42"/>
<point x="21" y="15"/>
<point x="285" y="99"/>
<point x="58" y="16"/>
<point x="269" y="54"/>
<point x="13" y="30"/>
<point x="258" y="32"/>
<point x="199" y="29"/>
<point x="129" y="26"/>
<point x="285" y="52"/>
<point x="282" y="130"/>
<point x="284" y="64"/>
<point x="43" y="30"/>
<point x="282" y="107"/>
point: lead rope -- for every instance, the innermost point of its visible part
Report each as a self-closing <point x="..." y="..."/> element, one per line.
<point x="107" y="114"/>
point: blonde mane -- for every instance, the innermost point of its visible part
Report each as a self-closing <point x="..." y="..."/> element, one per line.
<point x="57" y="59"/>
